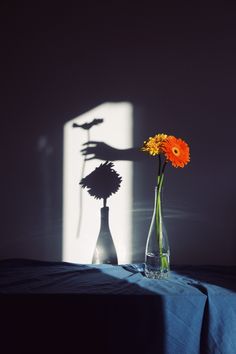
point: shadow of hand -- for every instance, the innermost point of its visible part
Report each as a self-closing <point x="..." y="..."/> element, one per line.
<point x="102" y="151"/>
<point x="99" y="150"/>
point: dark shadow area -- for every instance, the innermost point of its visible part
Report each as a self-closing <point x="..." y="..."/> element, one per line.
<point x="84" y="323"/>
<point x="53" y="311"/>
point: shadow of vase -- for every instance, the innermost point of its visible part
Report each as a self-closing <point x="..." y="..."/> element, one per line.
<point x="105" y="251"/>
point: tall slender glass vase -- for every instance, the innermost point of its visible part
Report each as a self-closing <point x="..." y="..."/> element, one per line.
<point x="105" y="251"/>
<point x="157" y="253"/>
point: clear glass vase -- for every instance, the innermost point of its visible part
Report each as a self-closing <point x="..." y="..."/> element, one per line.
<point x="157" y="253"/>
<point x="105" y="252"/>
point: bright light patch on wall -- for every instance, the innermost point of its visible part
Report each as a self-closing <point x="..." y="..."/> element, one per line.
<point x="81" y="212"/>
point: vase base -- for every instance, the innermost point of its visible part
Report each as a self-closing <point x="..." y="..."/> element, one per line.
<point x="156" y="266"/>
<point x="156" y="274"/>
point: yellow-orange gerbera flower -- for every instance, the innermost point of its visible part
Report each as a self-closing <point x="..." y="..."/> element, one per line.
<point x="176" y="151"/>
<point x="154" y="144"/>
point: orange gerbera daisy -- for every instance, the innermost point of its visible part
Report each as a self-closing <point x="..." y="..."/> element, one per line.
<point x="154" y="144"/>
<point x="176" y="151"/>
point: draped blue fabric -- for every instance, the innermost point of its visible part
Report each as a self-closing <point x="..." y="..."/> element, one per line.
<point x="193" y="311"/>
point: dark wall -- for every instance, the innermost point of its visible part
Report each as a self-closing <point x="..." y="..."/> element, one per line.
<point x="176" y="64"/>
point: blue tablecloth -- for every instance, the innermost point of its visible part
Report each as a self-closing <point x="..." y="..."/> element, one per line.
<point x="116" y="309"/>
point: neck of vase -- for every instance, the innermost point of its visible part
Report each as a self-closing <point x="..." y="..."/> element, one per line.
<point x="105" y="217"/>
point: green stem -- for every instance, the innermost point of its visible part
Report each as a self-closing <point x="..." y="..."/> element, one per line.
<point x="159" y="228"/>
<point x="158" y="213"/>
<point x="157" y="199"/>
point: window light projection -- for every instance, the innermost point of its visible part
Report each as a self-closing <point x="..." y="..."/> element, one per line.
<point x="90" y="139"/>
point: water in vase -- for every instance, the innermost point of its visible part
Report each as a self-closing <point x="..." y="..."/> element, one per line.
<point x="157" y="266"/>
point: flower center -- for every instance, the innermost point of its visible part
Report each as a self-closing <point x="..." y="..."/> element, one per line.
<point x="175" y="151"/>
